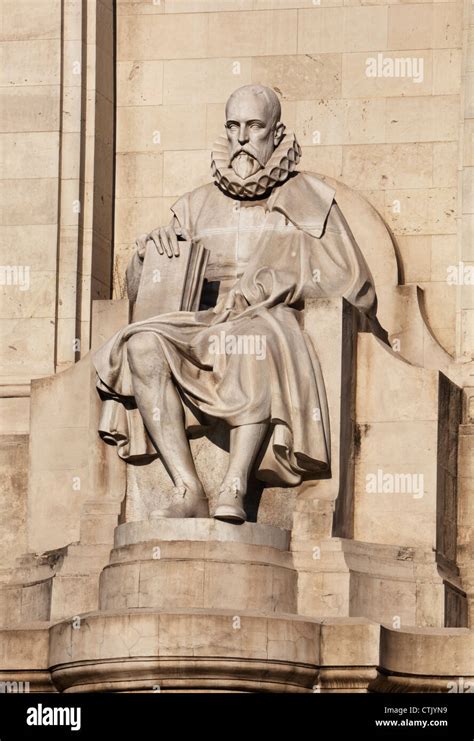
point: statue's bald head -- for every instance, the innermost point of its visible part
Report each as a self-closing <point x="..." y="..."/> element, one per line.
<point x="253" y="127"/>
<point x="264" y="97"/>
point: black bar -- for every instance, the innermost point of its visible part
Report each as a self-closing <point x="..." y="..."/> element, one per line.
<point x="296" y="716"/>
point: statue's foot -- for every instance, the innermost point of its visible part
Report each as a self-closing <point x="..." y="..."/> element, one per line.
<point x="230" y="505"/>
<point x="185" y="503"/>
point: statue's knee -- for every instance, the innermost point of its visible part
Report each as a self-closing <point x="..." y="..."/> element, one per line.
<point x="140" y="345"/>
<point x="140" y="348"/>
<point x="144" y="352"/>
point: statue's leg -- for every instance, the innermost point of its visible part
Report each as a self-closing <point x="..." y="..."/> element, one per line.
<point x="245" y="443"/>
<point x="160" y="406"/>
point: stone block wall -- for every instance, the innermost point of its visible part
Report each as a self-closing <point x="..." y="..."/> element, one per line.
<point x="56" y="186"/>
<point x="30" y="122"/>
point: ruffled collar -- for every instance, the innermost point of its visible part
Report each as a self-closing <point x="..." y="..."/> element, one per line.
<point x="281" y="164"/>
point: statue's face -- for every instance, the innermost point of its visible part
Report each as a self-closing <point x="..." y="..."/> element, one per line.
<point x="250" y="131"/>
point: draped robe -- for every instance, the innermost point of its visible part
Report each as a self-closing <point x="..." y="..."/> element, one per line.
<point x="248" y="359"/>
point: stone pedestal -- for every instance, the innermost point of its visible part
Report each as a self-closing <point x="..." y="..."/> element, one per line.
<point x="204" y="606"/>
<point x="189" y="605"/>
<point x="199" y="563"/>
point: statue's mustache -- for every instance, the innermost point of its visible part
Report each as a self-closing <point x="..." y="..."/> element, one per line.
<point x="248" y="152"/>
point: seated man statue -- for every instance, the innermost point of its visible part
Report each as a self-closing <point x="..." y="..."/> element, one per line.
<point x="275" y="237"/>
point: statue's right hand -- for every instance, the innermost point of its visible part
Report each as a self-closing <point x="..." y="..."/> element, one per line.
<point x="165" y="239"/>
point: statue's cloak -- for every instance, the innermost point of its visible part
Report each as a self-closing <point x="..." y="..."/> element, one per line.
<point x="272" y="372"/>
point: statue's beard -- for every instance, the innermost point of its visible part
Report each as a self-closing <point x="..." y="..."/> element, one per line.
<point x="245" y="164"/>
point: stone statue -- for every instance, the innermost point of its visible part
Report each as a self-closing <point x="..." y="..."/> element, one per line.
<point x="276" y="237"/>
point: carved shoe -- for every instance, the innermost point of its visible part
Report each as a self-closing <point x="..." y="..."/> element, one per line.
<point x="230" y="506"/>
<point x="184" y="504"/>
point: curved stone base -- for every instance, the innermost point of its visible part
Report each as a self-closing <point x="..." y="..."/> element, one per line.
<point x="149" y="651"/>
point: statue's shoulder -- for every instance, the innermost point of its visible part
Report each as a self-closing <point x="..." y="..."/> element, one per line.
<point x="189" y="205"/>
<point x="306" y="201"/>
<point x="198" y="195"/>
<point x="316" y="182"/>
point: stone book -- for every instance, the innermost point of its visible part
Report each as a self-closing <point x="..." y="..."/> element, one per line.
<point x="170" y="283"/>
